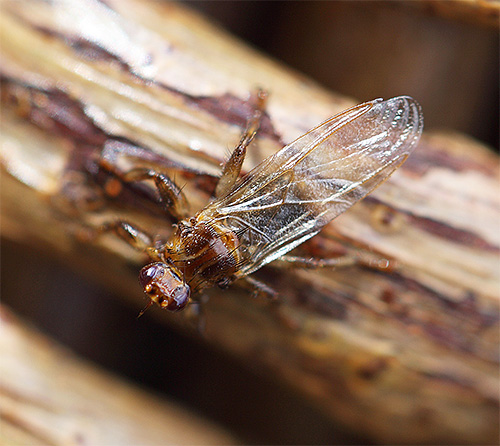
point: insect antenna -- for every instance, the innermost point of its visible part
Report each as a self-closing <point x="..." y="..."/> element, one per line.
<point x="144" y="309"/>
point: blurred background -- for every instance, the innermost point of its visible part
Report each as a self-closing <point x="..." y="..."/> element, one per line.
<point x="443" y="54"/>
<point x="447" y="60"/>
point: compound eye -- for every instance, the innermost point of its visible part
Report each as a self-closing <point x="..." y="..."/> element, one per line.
<point x="150" y="273"/>
<point x="180" y="298"/>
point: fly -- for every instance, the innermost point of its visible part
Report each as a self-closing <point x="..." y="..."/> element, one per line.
<point x="285" y="200"/>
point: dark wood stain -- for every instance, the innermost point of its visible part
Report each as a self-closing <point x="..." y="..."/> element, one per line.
<point x="233" y="110"/>
<point x="440" y="229"/>
<point x="427" y="156"/>
<point x="460" y="236"/>
<point x="373" y="368"/>
<point x="227" y="107"/>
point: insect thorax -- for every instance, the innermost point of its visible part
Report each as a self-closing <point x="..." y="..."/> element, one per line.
<point x="205" y="252"/>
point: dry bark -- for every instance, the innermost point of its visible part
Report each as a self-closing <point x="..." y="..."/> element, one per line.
<point x="404" y="356"/>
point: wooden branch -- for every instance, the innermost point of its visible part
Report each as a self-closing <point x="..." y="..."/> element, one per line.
<point x="409" y="356"/>
<point x="50" y="397"/>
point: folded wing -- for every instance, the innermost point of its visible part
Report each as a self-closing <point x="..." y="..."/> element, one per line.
<point x="291" y="195"/>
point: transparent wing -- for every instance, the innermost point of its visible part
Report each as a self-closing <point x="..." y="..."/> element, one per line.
<point x="291" y="195"/>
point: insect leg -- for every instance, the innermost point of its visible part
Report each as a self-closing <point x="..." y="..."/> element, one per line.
<point x="338" y="262"/>
<point x="135" y="237"/>
<point x="304" y="262"/>
<point x="259" y="288"/>
<point x="171" y="196"/>
<point x="232" y="167"/>
<point x="195" y="314"/>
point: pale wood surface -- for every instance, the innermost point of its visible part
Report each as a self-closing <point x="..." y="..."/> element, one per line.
<point x="48" y="396"/>
<point x="410" y="356"/>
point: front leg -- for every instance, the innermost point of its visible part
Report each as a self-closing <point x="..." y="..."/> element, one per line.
<point x="232" y="167"/>
<point x="132" y="235"/>
<point x="172" y="199"/>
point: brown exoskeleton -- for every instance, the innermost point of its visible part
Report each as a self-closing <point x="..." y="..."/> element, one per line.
<point x="282" y="202"/>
